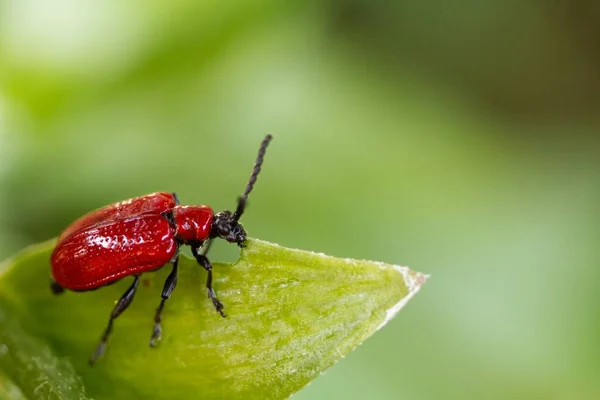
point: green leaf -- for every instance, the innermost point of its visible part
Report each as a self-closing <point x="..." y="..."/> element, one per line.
<point x="291" y="315"/>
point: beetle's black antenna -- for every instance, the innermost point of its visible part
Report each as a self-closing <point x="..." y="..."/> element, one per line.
<point x="257" y="165"/>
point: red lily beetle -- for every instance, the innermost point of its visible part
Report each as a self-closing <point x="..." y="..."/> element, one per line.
<point x="142" y="235"/>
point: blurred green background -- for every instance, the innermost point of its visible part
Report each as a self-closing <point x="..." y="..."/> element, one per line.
<point x="461" y="139"/>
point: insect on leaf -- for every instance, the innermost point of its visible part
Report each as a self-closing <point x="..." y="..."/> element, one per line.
<point x="291" y="315"/>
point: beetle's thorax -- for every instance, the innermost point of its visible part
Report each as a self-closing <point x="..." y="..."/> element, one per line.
<point x="225" y="226"/>
<point x="193" y="223"/>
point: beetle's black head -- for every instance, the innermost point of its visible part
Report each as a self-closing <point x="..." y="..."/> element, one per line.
<point x="225" y="226"/>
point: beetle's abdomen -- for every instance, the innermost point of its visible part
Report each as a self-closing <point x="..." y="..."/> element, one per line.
<point x="93" y="257"/>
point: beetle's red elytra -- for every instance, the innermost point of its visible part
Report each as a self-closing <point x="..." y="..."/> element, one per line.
<point x="140" y="235"/>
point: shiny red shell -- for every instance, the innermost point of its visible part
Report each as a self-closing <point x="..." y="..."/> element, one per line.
<point x="125" y="238"/>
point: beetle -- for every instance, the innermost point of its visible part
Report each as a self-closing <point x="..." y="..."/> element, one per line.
<point x="140" y="235"/>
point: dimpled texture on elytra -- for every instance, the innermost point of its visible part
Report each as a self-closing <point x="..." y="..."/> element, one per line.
<point x="104" y="253"/>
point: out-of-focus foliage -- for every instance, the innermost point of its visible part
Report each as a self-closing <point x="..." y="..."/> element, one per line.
<point x="457" y="139"/>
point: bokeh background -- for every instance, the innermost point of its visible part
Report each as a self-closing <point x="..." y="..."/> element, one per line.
<point x="461" y="139"/>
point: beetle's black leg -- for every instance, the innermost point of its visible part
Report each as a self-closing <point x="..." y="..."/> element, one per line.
<point x="121" y="306"/>
<point x="205" y="247"/>
<point x="55" y="287"/>
<point x="170" y="284"/>
<point x="203" y="261"/>
<point x="176" y="198"/>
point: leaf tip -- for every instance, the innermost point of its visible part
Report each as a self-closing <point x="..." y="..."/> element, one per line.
<point x="413" y="281"/>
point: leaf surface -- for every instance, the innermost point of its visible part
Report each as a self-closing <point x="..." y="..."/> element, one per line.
<point x="291" y="315"/>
